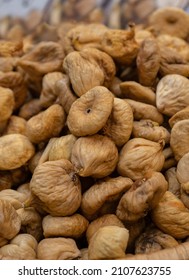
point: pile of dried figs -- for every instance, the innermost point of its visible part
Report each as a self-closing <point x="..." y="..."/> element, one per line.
<point x="94" y="139"/>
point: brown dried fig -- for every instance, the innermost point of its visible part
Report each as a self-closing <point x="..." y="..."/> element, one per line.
<point x="182" y="172"/>
<point x="30" y="109"/>
<point x="10" y="222"/>
<point x="96" y="196"/>
<point x="94" y="156"/>
<point x="15" y="151"/>
<point x="179" y="139"/>
<point x="46" y="124"/>
<point x="15" y="125"/>
<point x="171" y="216"/>
<point x="179" y="116"/>
<point x="119" y="125"/>
<point x="73" y="226"/>
<point x="89" y="68"/>
<point x="57" y="249"/>
<point x="89" y="113"/>
<point x="57" y="187"/>
<point x="173" y="183"/>
<point x="139" y="156"/>
<point x="172" y="94"/>
<point x="6" y="181"/>
<point x="7" y="103"/>
<point x="16" y="199"/>
<point x="109" y="242"/>
<point x="143" y="196"/>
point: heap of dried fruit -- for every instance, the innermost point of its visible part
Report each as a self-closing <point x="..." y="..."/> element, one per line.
<point x="94" y="132"/>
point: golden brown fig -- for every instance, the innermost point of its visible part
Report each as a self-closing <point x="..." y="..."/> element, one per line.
<point x="7" y="103"/>
<point x="120" y="123"/>
<point x="30" y="108"/>
<point x="57" y="249"/>
<point x="14" y="197"/>
<point x="143" y="196"/>
<point x="15" y="151"/>
<point x="15" y="125"/>
<point x="109" y="242"/>
<point x="94" y="156"/>
<point x="89" y="113"/>
<point x="179" y="116"/>
<point x="72" y="226"/>
<point x="57" y="187"/>
<point x="140" y="156"/>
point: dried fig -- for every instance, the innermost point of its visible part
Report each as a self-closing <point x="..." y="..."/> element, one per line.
<point x="30" y="109"/>
<point x="182" y="172"/>
<point x="15" y="125"/>
<point x="7" y="103"/>
<point x="15" y="198"/>
<point x="173" y="183"/>
<point x="179" y="116"/>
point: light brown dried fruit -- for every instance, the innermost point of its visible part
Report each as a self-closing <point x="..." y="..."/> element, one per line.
<point x="179" y="116"/>
<point x="148" y="62"/>
<point x="184" y="197"/>
<point x="173" y="183"/>
<point x="140" y="156"/>
<point x="179" y="139"/>
<point x="182" y="172"/>
<point x="21" y="247"/>
<point x="143" y="196"/>
<point x="108" y="189"/>
<point x="57" y="186"/>
<point x="89" y="113"/>
<point x="30" y="108"/>
<point x="105" y="220"/>
<point x="57" y="249"/>
<point x="153" y="240"/>
<point x="171" y="216"/>
<point x="88" y="68"/>
<point x="114" y="87"/>
<point x="15" y="125"/>
<point x="6" y="181"/>
<point x="15" y="198"/>
<point x="10" y="222"/>
<point x="119" y="125"/>
<point x="150" y="130"/>
<point x="15" y="151"/>
<point x="73" y="226"/>
<point x="7" y="103"/>
<point x="10" y="48"/>
<point x="3" y="241"/>
<point x="136" y="91"/>
<point x="145" y="111"/>
<point x="172" y="94"/>
<point x="170" y="20"/>
<point x="109" y="242"/>
<point x="94" y="156"/>
<point x="46" y="124"/>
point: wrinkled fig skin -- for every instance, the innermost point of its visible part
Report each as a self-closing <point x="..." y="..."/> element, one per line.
<point x="182" y="172"/>
<point x="57" y="187"/>
<point x="94" y="156"/>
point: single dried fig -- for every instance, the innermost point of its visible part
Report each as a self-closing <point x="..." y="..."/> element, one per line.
<point x="73" y="226"/>
<point x="143" y="196"/>
<point x="57" y="249"/>
<point x="89" y="113"/>
<point x="7" y="103"/>
<point x="94" y="156"/>
<point x="139" y="156"/>
<point x="15" y="125"/>
<point x="15" y="151"/>
<point x="57" y="187"/>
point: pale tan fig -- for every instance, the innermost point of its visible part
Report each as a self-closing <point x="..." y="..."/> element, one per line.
<point x="171" y="216"/>
<point x="57" y="249"/>
<point x="143" y="196"/>
<point x="148" y="62"/>
<point x="170" y="20"/>
<point x="172" y="94"/>
<point x="46" y="124"/>
<point x="30" y="109"/>
<point x="10" y="222"/>
<point x="145" y="111"/>
<point x="179" y="116"/>
<point x="57" y="187"/>
<point x="109" y="242"/>
<point x="153" y="240"/>
<point x="21" y="247"/>
<point x="72" y="226"/>
<point x="15" y="151"/>
<point x="150" y="130"/>
<point x="106" y="190"/>
<point x="66" y="96"/>
<point x="15" y="125"/>
<point x="136" y="91"/>
<point x="62" y="147"/>
<point x="48" y="95"/>
<point x="105" y="220"/>
<point x="31" y="222"/>
<point x="139" y="156"/>
<point x="89" y="113"/>
<point x="182" y="172"/>
<point x="7" y="103"/>
<point x="88" y="68"/>
<point x="179" y="139"/>
<point x="173" y="183"/>
<point x="94" y="156"/>
<point x="119" y="125"/>
<point x="15" y="198"/>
